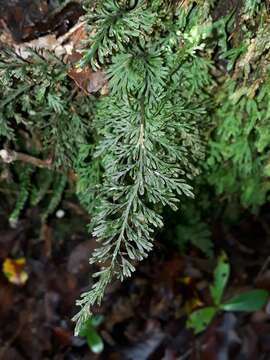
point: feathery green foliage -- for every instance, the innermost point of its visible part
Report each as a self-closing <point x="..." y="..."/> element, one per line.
<point x="148" y="129"/>
<point x="238" y="160"/>
<point x="38" y="97"/>
<point x="181" y="86"/>
<point x="58" y="188"/>
<point x="24" y="174"/>
<point x="44" y="116"/>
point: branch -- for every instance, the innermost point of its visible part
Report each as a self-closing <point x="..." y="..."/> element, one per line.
<point x="9" y="156"/>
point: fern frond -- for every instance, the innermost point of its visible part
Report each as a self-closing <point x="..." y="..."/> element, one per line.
<point x="24" y="174"/>
<point x="38" y="94"/>
<point x="44" y="180"/>
<point x="143" y="154"/>
<point x="58" y="189"/>
<point x="114" y="25"/>
<point x="148" y="132"/>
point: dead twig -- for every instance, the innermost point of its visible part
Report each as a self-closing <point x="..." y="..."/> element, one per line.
<point x="10" y="156"/>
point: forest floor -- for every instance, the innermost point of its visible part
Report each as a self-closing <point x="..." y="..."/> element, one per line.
<point x="143" y="318"/>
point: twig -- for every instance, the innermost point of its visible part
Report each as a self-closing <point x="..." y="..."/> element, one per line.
<point x="9" y="156"/>
<point x="78" y="209"/>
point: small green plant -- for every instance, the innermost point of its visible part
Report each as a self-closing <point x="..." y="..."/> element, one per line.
<point x="192" y="229"/>
<point x="248" y="301"/>
<point x="94" y="340"/>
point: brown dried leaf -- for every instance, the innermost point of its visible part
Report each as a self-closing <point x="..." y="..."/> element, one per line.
<point x="88" y="80"/>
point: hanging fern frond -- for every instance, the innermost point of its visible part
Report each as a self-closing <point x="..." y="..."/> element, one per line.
<point x="56" y="196"/>
<point x="148" y="133"/>
<point x="24" y="174"/>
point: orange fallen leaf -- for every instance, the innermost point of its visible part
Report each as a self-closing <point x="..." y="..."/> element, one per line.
<point x="88" y="80"/>
<point x="14" y="270"/>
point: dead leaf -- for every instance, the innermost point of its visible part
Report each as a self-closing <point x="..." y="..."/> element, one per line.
<point x="88" y="80"/>
<point x="14" y="270"/>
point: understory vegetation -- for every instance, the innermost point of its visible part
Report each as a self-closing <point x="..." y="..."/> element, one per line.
<point x="172" y="130"/>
